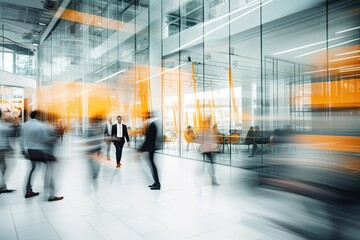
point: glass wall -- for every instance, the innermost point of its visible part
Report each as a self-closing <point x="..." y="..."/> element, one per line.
<point x="287" y="70"/>
<point x="92" y="61"/>
<point x="15" y="57"/>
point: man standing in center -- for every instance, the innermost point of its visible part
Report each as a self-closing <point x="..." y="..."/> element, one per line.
<point x="119" y="133"/>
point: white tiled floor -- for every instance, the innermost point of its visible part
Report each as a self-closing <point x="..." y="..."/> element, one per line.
<point x="122" y="207"/>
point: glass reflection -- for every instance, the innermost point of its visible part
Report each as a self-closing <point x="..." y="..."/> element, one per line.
<point x="235" y="61"/>
<point x="279" y="81"/>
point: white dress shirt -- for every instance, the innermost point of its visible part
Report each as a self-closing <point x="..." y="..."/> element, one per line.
<point x="109" y="128"/>
<point x="119" y="130"/>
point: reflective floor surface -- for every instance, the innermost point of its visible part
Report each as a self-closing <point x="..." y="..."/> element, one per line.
<point x="119" y="204"/>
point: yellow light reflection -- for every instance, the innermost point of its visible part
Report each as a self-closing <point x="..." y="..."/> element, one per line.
<point x="97" y="21"/>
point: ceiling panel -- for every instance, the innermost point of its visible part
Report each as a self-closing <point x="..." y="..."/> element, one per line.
<point x="23" y="17"/>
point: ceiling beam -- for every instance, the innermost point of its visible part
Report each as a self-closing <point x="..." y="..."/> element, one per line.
<point x="23" y="27"/>
<point x="55" y="19"/>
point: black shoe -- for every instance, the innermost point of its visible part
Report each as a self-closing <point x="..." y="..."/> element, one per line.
<point x="155" y="187"/>
<point x="31" y="194"/>
<point x="52" y="199"/>
<point x="152" y="185"/>
<point x="215" y="184"/>
<point x="5" y="190"/>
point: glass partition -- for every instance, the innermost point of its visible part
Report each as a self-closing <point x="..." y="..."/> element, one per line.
<point x="15" y="57"/>
<point x="260" y="67"/>
<point x="245" y="72"/>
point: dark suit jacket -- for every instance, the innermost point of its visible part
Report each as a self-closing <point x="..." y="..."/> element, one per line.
<point x="124" y="131"/>
<point x="152" y="140"/>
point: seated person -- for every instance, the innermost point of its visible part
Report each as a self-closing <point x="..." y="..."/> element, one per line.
<point x="250" y="136"/>
<point x="189" y="136"/>
<point x="259" y="136"/>
<point x="250" y="139"/>
<point x="220" y="137"/>
<point x="234" y="137"/>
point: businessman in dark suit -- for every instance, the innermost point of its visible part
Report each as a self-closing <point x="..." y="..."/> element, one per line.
<point x="119" y="133"/>
<point x="151" y="144"/>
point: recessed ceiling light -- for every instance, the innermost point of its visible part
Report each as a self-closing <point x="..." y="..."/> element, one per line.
<point x="42" y="24"/>
<point x="35" y="44"/>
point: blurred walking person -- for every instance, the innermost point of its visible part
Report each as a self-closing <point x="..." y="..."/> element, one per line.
<point x="5" y="148"/>
<point x="151" y="144"/>
<point x="250" y="140"/>
<point x="38" y="142"/>
<point x="108" y="138"/>
<point x="93" y="141"/>
<point x="209" y="147"/>
<point x="60" y="129"/>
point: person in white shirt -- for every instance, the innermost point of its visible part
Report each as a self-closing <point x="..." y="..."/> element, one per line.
<point x="119" y="133"/>
<point x="107" y="138"/>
